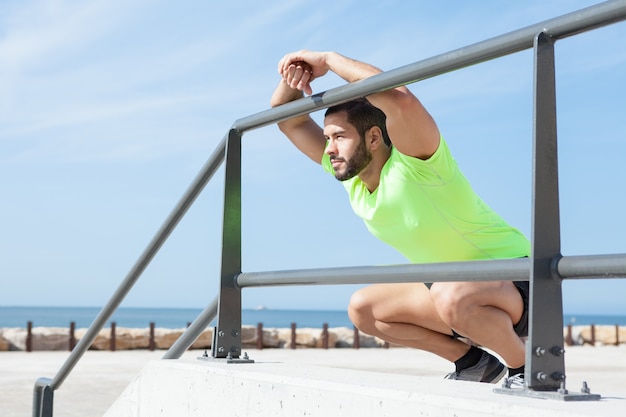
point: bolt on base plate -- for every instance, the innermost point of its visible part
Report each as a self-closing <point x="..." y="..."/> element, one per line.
<point x="227" y="359"/>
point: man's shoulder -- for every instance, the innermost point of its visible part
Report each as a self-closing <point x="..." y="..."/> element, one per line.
<point x="441" y="166"/>
<point x="442" y="153"/>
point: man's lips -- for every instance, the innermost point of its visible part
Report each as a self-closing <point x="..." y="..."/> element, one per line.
<point x="336" y="161"/>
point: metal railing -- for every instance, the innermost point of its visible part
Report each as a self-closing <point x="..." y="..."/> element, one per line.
<point x="545" y="269"/>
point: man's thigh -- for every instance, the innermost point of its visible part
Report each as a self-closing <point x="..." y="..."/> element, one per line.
<point x="403" y="303"/>
<point x="503" y="295"/>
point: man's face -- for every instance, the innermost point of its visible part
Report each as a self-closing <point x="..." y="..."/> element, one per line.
<point x="347" y="150"/>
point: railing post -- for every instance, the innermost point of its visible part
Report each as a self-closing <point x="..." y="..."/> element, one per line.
<point x="112" y="341"/>
<point x="593" y="335"/>
<point x="259" y="336"/>
<point x="568" y="339"/>
<point x="29" y="336"/>
<point x="545" y="367"/>
<point x="151" y="343"/>
<point x="72" y="341"/>
<point x="43" y="398"/>
<point x="325" y="336"/>
<point x="227" y="337"/>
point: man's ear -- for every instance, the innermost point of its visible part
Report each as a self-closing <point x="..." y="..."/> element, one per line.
<point x="374" y="137"/>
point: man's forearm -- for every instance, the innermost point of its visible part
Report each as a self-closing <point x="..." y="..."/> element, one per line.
<point x="349" y="69"/>
<point x="301" y="130"/>
<point x="284" y="94"/>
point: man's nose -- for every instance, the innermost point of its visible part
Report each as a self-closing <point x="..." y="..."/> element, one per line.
<point x="331" y="147"/>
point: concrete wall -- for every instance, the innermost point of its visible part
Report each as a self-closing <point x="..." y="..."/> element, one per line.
<point x="202" y="388"/>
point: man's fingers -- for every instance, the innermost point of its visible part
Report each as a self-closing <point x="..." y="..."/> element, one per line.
<point x="291" y="59"/>
<point x="298" y="76"/>
<point x="292" y="75"/>
<point x="297" y="73"/>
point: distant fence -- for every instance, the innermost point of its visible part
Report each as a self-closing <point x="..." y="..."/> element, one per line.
<point x="259" y="337"/>
<point x="153" y="338"/>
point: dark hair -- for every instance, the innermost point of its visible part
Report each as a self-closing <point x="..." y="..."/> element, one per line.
<point x="363" y="116"/>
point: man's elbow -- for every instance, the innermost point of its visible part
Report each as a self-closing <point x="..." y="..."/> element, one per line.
<point x="274" y="102"/>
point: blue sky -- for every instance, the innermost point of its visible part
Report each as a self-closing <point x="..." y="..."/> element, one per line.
<point x="108" y="109"/>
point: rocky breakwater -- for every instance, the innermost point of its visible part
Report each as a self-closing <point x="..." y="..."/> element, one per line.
<point x="597" y="335"/>
<point x="58" y="338"/>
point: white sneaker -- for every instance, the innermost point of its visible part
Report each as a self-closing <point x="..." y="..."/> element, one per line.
<point x="514" y="382"/>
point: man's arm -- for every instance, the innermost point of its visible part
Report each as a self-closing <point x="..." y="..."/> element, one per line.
<point x="411" y="128"/>
<point x="303" y="132"/>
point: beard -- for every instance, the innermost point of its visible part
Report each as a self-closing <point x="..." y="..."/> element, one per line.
<point x="355" y="164"/>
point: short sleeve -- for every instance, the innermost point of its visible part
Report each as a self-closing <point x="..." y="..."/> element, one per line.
<point x="440" y="167"/>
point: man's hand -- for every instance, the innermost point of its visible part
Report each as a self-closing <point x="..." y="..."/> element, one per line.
<point x="299" y="76"/>
<point x="298" y="69"/>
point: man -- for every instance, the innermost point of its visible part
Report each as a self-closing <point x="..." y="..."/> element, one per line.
<point x="402" y="181"/>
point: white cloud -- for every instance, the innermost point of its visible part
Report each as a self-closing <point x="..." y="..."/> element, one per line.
<point x="42" y="30"/>
<point x="98" y="113"/>
<point x="53" y="87"/>
<point x="39" y="36"/>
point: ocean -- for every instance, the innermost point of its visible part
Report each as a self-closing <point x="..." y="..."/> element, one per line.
<point x="171" y="318"/>
<point x="174" y="318"/>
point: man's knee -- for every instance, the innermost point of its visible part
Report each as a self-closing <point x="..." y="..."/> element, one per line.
<point x="450" y="302"/>
<point x="360" y="309"/>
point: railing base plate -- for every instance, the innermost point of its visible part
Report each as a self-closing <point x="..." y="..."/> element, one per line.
<point x="548" y="395"/>
<point x="208" y="358"/>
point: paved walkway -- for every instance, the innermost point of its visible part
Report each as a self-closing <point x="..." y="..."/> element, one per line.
<point x="100" y="377"/>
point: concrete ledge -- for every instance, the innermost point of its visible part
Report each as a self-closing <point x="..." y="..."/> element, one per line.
<point x="191" y="387"/>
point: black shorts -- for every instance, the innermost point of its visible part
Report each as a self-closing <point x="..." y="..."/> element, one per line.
<point x="521" y="328"/>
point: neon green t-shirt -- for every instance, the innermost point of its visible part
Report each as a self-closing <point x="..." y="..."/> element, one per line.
<point x="428" y="211"/>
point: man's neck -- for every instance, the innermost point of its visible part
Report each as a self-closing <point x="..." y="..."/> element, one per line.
<point x="371" y="174"/>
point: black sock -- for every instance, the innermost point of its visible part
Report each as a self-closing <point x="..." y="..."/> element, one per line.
<point x="515" y="371"/>
<point x="471" y="358"/>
